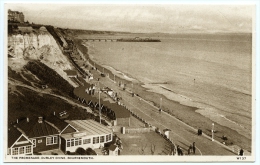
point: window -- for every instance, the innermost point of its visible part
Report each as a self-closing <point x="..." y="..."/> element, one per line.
<point x="21" y="150"/>
<point x="51" y="140"/>
<point x="102" y="139"/>
<point x="34" y="142"/>
<point x="28" y="149"/>
<point x="80" y="141"/>
<point x="108" y="137"/>
<point x="68" y="143"/>
<point x="86" y="141"/>
<point x="15" y="151"/>
<point x="74" y="142"/>
<point x="95" y="140"/>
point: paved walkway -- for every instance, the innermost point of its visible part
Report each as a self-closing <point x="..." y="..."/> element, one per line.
<point x="182" y="134"/>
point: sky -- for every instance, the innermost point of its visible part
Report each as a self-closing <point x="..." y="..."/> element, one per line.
<point x="163" y="18"/>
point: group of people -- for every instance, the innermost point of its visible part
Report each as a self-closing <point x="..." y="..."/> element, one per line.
<point x="191" y="149"/>
<point x="91" y="90"/>
<point x="199" y="132"/>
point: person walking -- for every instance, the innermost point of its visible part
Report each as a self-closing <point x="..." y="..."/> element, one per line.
<point x="178" y="150"/>
<point x="194" y="148"/>
<point x="190" y="149"/>
<point x="241" y="152"/>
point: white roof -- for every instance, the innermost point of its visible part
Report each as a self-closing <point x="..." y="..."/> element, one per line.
<point x="90" y="127"/>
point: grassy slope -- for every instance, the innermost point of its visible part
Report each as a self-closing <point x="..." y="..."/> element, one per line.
<point x="28" y="103"/>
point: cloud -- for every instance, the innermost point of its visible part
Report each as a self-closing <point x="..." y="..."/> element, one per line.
<point x="141" y="18"/>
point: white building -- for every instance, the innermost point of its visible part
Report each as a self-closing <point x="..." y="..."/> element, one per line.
<point x="86" y="134"/>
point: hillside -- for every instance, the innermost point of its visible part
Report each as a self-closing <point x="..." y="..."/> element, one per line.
<point x="37" y="82"/>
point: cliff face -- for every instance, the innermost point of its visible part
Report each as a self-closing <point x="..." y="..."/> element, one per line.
<point x="37" y="45"/>
<point x="19" y="43"/>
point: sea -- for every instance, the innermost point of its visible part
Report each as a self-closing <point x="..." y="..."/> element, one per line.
<point x="212" y="72"/>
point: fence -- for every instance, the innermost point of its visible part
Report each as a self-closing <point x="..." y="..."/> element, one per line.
<point x="236" y="150"/>
<point x="137" y="130"/>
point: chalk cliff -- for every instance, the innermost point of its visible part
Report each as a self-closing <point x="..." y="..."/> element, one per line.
<point x="37" y="45"/>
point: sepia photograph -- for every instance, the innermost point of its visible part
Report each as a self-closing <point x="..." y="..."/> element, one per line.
<point x="132" y="82"/>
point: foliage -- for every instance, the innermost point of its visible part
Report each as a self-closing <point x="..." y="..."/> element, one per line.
<point x="80" y="151"/>
<point x="51" y="30"/>
<point x="50" y="77"/>
<point x="90" y="151"/>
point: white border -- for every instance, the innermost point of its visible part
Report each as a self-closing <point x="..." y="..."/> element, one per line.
<point x="256" y="92"/>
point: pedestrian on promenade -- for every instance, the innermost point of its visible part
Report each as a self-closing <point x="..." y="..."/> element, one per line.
<point x="199" y="132"/>
<point x="181" y="153"/>
<point x="194" y="148"/>
<point x="190" y="149"/>
<point x="241" y="152"/>
<point x="178" y="150"/>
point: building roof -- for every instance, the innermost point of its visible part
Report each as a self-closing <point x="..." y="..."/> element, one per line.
<point x="166" y="130"/>
<point x="57" y="122"/>
<point x="35" y="129"/>
<point x="90" y="127"/>
<point x="112" y="147"/>
<point x="71" y="72"/>
<point x="13" y="135"/>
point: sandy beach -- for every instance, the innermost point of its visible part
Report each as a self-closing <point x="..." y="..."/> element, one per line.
<point x="176" y="105"/>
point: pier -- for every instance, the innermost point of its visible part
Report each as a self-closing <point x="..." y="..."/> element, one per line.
<point x="100" y="39"/>
<point x="136" y="39"/>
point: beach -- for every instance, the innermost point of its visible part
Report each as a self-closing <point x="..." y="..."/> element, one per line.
<point x="190" y="95"/>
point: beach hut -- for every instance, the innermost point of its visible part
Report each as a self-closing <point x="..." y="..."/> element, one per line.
<point x="113" y="150"/>
<point x="167" y="132"/>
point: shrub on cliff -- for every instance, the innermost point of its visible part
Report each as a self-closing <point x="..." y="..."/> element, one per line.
<point x="49" y="76"/>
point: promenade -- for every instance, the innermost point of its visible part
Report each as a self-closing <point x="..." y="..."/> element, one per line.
<point x="181" y="133"/>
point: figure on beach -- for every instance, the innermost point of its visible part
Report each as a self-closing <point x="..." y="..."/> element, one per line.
<point x="194" y="148"/>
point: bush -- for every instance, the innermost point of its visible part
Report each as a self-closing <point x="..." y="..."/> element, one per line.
<point x="90" y="151"/>
<point x="80" y="151"/>
<point x="49" y="76"/>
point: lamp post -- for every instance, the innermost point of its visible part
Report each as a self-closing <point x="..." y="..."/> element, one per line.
<point x="99" y="106"/>
<point x="160" y="103"/>
<point x="212" y="138"/>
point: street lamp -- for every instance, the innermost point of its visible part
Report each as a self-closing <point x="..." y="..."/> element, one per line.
<point x="160" y="103"/>
<point x="99" y="106"/>
<point x="160" y="109"/>
<point x="114" y="78"/>
<point x="212" y="132"/>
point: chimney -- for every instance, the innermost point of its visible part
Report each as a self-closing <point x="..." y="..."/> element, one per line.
<point x="39" y="119"/>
